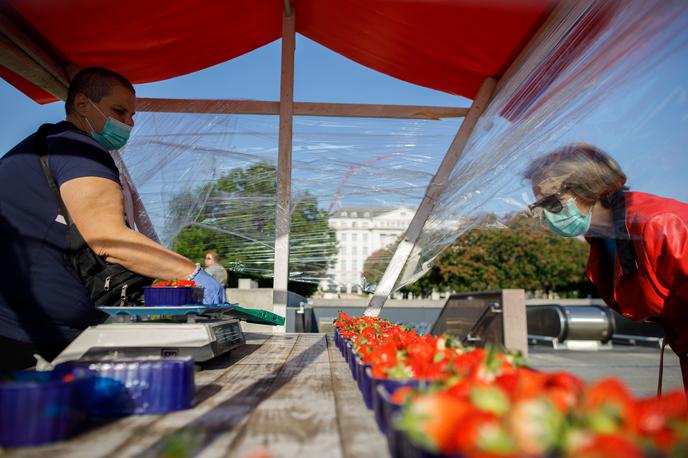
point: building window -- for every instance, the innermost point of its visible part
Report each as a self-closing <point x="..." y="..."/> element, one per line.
<point x="354" y="237"/>
<point x="365" y="237"/>
<point x="364" y="251"/>
<point x="343" y="236"/>
<point x="366" y="214"/>
<point x="354" y="251"/>
<point x="354" y="214"/>
<point x="343" y="214"/>
<point x="353" y="224"/>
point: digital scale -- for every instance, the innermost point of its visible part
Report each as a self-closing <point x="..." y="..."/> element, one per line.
<point x="202" y="332"/>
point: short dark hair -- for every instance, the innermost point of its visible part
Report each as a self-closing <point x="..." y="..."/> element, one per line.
<point x="95" y="83"/>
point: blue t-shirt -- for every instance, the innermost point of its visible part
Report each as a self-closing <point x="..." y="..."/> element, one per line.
<point x="41" y="300"/>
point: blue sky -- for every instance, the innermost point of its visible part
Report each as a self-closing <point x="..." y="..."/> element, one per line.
<point x="320" y="76"/>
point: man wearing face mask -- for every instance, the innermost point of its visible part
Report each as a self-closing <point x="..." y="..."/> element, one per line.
<point x="638" y="242"/>
<point x="43" y="306"/>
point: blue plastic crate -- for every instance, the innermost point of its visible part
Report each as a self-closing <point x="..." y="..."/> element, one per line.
<point x="42" y="407"/>
<point x="138" y="385"/>
<point x="155" y="296"/>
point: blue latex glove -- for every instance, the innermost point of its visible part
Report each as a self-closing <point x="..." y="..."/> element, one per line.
<point x="213" y="291"/>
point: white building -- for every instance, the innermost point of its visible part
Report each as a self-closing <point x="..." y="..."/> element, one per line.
<point x="360" y="232"/>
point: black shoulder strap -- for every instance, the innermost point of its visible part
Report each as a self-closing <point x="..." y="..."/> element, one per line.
<point x="42" y="150"/>
<point x="624" y="246"/>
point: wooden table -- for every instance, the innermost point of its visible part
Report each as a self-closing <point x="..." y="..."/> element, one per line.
<point x="285" y="395"/>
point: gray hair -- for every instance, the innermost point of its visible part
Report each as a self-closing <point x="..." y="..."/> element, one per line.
<point x="582" y="169"/>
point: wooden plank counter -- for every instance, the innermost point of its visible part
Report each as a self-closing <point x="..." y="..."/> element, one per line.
<point x="279" y="395"/>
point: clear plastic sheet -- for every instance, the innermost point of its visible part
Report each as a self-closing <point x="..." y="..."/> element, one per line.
<point x="611" y="74"/>
<point x="208" y="182"/>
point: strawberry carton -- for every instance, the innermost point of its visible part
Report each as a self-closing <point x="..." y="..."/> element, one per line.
<point x="172" y="293"/>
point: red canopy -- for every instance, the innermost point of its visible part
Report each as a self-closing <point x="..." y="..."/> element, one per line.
<point x="448" y="45"/>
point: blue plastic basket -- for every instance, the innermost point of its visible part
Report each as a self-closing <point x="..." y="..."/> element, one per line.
<point x="138" y="385"/>
<point x="377" y="401"/>
<point x="155" y="296"/>
<point x="42" y="407"/>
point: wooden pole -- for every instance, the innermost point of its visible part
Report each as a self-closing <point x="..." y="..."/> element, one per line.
<point x="259" y="107"/>
<point x="283" y="197"/>
<point x="437" y="185"/>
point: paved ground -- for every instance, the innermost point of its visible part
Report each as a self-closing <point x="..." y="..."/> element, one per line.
<point x="636" y="366"/>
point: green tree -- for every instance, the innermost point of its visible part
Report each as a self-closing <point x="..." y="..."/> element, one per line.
<point x="238" y="221"/>
<point x="522" y="256"/>
<point x="375" y="265"/>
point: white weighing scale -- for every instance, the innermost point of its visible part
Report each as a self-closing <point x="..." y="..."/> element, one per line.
<point x="202" y="332"/>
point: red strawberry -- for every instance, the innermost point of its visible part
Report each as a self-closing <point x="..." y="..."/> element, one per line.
<point x="537" y="426"/>
<point x="482" y="434"/>
<point x="607" y="446"/>
<point x="379" y="370"/>
<point x="523" y="383"/>
<point x="563" y="390"/>
<point x="664" y="421"/>
<point x="654" y="413"/>
<point x="608" y="408"/>
<point x="421" y="350"/>
<point x="402" y="394"/>
<point x="432" y="420"/>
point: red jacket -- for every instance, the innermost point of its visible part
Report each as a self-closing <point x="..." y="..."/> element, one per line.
<point x="650" y="277"/>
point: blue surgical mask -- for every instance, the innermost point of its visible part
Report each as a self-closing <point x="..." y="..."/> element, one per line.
<point x="114" y="135"/>
<point x="569" y="222"/>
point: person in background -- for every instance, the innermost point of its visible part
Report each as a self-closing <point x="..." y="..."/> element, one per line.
<point x="214" y="268"/>
<point x="638" y="242"/>
<point x="43" y="306"/>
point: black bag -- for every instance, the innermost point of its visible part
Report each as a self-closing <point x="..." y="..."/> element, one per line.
<point x="107" y="284"/>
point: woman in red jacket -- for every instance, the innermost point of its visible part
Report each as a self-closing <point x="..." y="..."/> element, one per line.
<point x="638" y="242"/>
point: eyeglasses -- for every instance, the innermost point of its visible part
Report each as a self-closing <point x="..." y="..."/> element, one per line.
<point x="551" y="203"/>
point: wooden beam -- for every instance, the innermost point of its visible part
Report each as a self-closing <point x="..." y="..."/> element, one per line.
<point x="17" y="61"/>
<point x="437" y="185"/>
<point x="35" y="61"/>
<point x="355" y="110"/>
<point x="252" y="107"/>
<point x="288" y="10"/>
<point x="283" y="198"/>
<point x="257" y="107"/>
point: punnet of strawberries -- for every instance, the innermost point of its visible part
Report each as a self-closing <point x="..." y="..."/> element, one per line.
<point x="487" y="403"/>
<point x="175" y="284"/>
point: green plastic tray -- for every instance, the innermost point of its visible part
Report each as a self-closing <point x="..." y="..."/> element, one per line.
<point x="255" y="316"/>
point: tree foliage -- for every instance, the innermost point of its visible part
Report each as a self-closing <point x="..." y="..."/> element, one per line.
<point x="522" y="256"/>
<point x="238" y="221"/>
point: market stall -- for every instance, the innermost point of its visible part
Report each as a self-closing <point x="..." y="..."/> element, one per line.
<point x="533" y="72"/>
